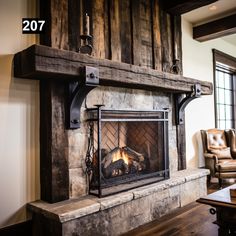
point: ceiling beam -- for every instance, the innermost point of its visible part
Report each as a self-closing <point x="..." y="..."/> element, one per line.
<point x="178" y="7"/>
<point x="215" y="29"/>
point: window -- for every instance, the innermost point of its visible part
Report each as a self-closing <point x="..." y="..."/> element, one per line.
<point x="225" y="92"/>
<point x="224" y="98"/>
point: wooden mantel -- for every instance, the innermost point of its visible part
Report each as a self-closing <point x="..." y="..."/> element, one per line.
<point x="42" y="62"/>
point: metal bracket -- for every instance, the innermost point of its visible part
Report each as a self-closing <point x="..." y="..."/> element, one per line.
<point x="182" y="102"/>
<point x="78" y="91"/>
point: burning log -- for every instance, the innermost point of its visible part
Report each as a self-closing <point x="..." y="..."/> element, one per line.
<point x="120" y="161"/>
<point x="107" y="160"/>
<point x="133" y="154"/>
<point x="118" y="167"/>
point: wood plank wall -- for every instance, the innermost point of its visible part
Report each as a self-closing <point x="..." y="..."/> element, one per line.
<point x="137" y="32"/>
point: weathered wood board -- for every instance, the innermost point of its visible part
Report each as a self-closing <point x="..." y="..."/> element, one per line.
<point x="137" y="32"/>
<point x="41" y="62"/>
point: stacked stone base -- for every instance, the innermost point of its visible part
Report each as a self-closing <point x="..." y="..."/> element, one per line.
<point x="118" y="213"/>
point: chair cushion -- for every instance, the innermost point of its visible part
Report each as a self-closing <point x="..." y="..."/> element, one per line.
<point x="216" y="139"/>
<point x="222" y="153"/>
<point x="226" y="165"/>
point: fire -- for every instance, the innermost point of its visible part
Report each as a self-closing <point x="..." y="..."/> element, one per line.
<point x="120" y="155"/>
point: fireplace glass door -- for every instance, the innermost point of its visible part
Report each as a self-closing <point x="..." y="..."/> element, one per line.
<point x="127" y="149"/>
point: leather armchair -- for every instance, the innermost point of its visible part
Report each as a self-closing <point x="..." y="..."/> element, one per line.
<point x="231" y="137"/>
<point x="219" y="149"/>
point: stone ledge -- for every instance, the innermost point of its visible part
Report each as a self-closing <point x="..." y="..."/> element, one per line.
<point x="75" y="208"/>
<point x="65" y="210"/>
<point x="115" y="200"/>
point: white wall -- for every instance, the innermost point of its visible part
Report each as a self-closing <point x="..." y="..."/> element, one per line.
<point x="19" y="114"/>
<point x="198" y="64"/>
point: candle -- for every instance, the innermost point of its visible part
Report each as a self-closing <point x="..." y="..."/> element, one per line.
<point x="176" y="52"/>
<point x="86" y="31"/>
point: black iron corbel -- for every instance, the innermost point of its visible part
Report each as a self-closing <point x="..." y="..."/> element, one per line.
<point x="89" y="79"/>
<point x="182" y="102"/>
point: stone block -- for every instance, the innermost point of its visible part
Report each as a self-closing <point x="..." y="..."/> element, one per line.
<point x="189" y="192"/>
<point x="203" y="186"/>
<point x="117" y="199"/>
<point x="75" y="159"/>
<point x="78" y="183"/>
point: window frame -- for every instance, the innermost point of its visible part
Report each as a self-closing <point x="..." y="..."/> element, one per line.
<point x="220" y="58"/>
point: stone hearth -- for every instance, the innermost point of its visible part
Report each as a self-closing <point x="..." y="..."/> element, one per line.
<point x="118" y="213"/>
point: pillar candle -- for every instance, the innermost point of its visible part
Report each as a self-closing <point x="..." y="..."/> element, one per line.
<point x="87" y="31"/>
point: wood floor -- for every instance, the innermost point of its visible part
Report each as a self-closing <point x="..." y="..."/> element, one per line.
<point x="193" y="219"/>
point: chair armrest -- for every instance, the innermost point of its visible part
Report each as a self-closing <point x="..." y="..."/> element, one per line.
<point x="233" y="153"/>
<point x="210" y="162"/>
<point x="211" y="156"/>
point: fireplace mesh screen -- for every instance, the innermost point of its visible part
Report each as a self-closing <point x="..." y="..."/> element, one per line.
<point x="127" y="149"/>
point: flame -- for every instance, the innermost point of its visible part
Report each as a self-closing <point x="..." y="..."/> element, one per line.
<point x="120" y="155"/>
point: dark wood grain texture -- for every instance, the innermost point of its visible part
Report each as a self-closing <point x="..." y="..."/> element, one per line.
<point x="137" y="32"/>
<point x="136" y="41"/>
<point x="54" y="169"/>
<point x="59" y="21"/>
<point x="166" y="43"/>
<point x="215" y="29"/>
<point x="45" y="13"/>
<point x="41" y="62"/>
<point x="181" y="146"/>
<point x="125" y="31"/>
<point x="156" y="34"/>
<point x="98" y="26"/>
<point x="115" y="30"/>
<point x="145" y="31"/>
<point x="177" y="41"/>
<point x="178" y="7"/>
<point x="225" y="58"/>
<point x="74" y="23"/>
<point x="193" y="219"/>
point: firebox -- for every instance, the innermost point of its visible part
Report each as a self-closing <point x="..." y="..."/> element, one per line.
<point x="126" y="149"/>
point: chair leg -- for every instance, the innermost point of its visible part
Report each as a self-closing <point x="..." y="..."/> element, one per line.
<point x="209" y="179"/>
<point x="220" y="183"/>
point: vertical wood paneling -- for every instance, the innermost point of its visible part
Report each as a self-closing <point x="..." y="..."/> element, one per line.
<point x="45" y="13"/>
<point x="142" y="36"/>
<point x="156" y="31"/>
<point x="115" y="30"/>
<point x="165" y="41"/>
<point x="98" y="26"/>
<point x="59" y="30"/>
<point x="136" y="40"/>
<point x="74" y="24"/>
<point x="169" y="40"/>
<point x="146" y="33"/>
<point x="138" y="32"/>
<point x="125" y="31"/>
<point x="177" y="40"/>
<point x="107" y="30"/>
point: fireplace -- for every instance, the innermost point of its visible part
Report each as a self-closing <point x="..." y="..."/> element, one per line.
<point x="126" y="149"/>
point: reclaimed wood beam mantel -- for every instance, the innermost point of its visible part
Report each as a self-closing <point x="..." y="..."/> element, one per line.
<point x="42" y="62"/>
<point x="215" y="29"/>
<point x="178" y="7"/>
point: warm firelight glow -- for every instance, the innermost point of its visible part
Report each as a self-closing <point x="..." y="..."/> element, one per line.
<point x="120" y="155"/>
